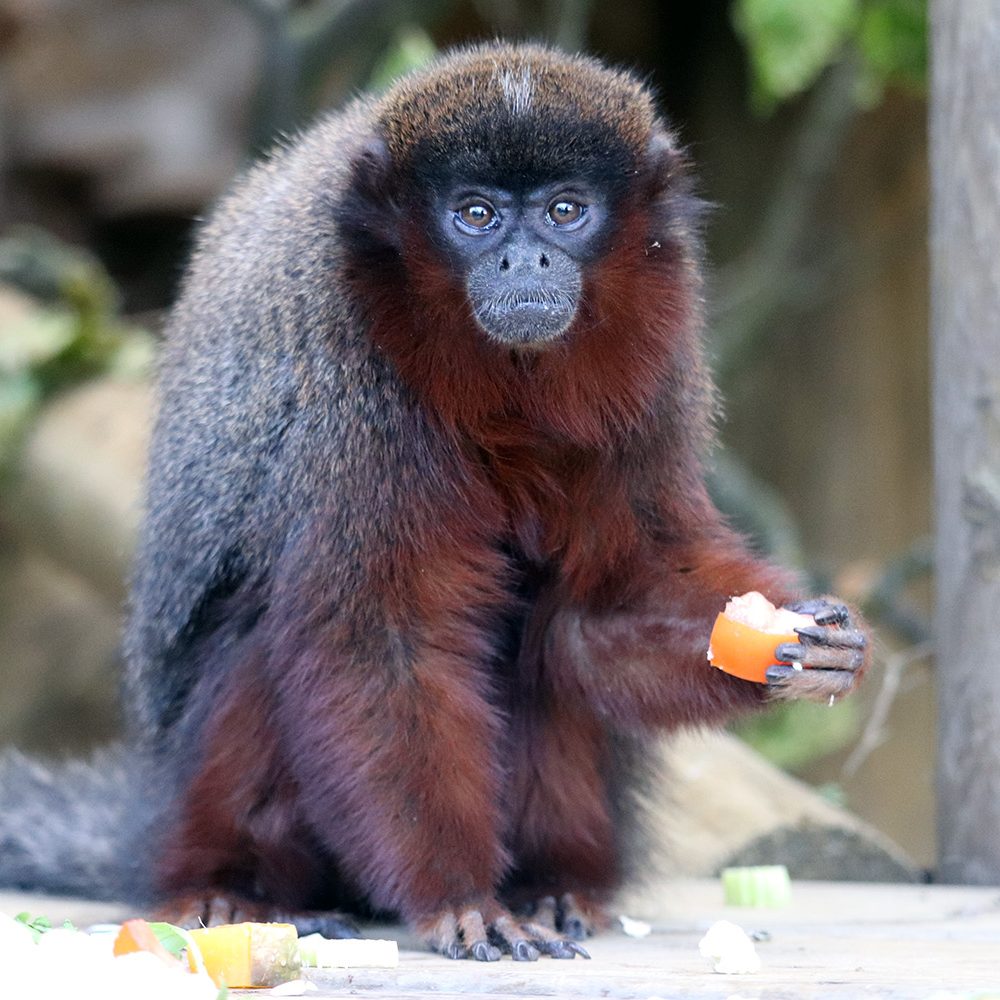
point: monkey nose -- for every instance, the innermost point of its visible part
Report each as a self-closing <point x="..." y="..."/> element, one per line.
<point x="522" y="261"/>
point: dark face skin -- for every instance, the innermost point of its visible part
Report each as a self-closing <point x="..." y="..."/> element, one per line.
<point x="522" y="255"/>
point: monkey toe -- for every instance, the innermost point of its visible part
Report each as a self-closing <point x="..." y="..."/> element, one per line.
<point x="580" y="917"/>
<point x="544" y="911"/>
<point x="565" y="949"/>
<point x="487" y="932"/>
<point x="211" y="910"/>
<point x="572" y="914"/>
<point x="524" y="951"/>
<point x="483" y="951"/>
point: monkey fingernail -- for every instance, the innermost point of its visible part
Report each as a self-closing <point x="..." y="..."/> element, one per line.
<point x="780" y="675"/>
<point x="832" y="614"/>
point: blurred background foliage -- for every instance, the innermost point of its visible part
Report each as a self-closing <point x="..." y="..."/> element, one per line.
<point x="126" y="118"/>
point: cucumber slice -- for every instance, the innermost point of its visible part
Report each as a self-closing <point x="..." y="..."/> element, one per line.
<point x="319" y="952"/>
<point x="762" y="885"/>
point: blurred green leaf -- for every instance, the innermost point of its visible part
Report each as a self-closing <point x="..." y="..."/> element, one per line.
<point x="53" y="271"/>
<point x="172" y="938"/>
<point x="65" y="329"/>
<point x="794" y="734"/>
<point x="20" y="396"/>
<point x="893" y="39"/>
<point x="790" y="42"/>
<point x="37" y="338"/>
<point x="410" y="49"/>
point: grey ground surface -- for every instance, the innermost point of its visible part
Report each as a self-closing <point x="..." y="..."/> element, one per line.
<point x="835" y="940"/>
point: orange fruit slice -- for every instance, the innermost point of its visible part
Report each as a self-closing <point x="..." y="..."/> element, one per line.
<point x="746" y="634"/>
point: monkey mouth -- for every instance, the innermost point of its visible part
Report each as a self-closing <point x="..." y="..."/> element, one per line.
<point x="526" y="319"/>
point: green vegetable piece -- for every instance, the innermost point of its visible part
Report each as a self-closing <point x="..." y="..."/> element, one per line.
<point x="764" y="886"/>
<point x="172" y="938"/>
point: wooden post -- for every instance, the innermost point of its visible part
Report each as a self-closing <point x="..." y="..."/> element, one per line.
<point x="965" y="258"/>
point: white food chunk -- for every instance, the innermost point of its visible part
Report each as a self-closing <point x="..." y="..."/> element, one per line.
<point x="634" y="928"/>
<point x="755" y="610"/>
<point x="348" y="953"/>
<point x="730" y="949"/>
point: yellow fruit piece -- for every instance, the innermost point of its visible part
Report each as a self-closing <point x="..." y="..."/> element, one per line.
<point x="247" y="955"/>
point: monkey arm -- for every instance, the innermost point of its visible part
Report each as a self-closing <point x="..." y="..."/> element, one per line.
<point x="646" y="663"/>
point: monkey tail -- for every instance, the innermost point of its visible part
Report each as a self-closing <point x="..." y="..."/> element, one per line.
<point x="76" y="828"/>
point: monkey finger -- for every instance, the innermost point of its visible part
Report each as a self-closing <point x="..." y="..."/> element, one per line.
<point x="829" y="657"/>
<point x="823" y="611"/>
<point x="822" y="635"/>
<point x="787" y="684"/>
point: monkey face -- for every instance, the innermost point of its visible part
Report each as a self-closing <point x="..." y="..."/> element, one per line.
<point x="522" y="255"/>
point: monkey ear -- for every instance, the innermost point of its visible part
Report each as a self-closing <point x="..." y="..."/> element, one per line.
<point x="666" y="160"/>
<point x="370" y="211"/>
<point x="373" y="158"/>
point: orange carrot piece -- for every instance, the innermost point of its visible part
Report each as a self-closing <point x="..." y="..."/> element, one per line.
<point x="137" y="935"/>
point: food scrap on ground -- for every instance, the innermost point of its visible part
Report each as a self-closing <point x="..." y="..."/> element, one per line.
<point x="729" y="949"/>
<point x="158" y="960"/>
<point x="248" y="955"/>
<point x="634" y="928"/>
<point x="759" y="885"/>
<point x="64" y="962"/>
<point x="348" y="953"/>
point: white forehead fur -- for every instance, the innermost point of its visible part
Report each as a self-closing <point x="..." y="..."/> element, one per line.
<point x="517" y="88"/>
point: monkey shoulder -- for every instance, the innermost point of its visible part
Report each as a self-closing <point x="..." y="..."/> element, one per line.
<point x="274" y="408"/>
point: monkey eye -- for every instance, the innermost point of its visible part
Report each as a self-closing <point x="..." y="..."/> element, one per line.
<point x="477" y="215"/>
<point x="564" y="212"/>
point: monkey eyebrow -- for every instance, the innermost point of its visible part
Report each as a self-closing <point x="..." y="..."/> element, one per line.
<point x="496" y="197"/>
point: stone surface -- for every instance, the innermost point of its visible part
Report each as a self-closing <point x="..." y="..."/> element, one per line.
<point x="59" y="659"/>
<point x="724" y="804"/>
<point x="76" y="494"/>
<point x="147" y="101"/>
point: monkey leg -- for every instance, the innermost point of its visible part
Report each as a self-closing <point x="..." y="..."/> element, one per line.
<point x="565" y="842"/>
<point x="405" y="790"/>
<point x="486" y="930"/>
<point x="237" y="850"/>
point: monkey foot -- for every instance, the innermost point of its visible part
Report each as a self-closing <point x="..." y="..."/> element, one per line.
<point x="485" y="932"/>
<point x="573" y="914"/>
<point x="212" y="910"/>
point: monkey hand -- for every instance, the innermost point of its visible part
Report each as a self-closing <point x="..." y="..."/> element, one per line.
<point x="828" y="660"/>
<point x="485" y="930"/>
